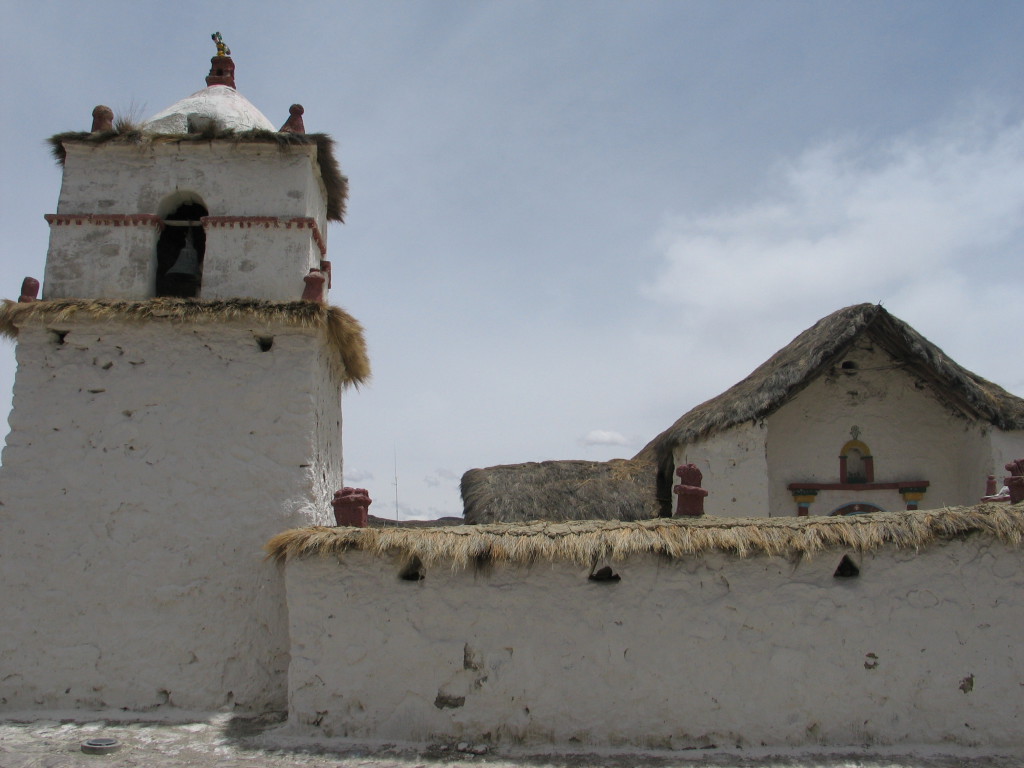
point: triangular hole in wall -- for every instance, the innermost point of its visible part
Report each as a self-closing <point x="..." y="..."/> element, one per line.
<point x="847" y="569"/>
<point x="413" y="570"/>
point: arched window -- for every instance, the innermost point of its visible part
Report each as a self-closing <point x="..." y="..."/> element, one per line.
<point x="180" y="250"/>
<point x="856" y="465"/>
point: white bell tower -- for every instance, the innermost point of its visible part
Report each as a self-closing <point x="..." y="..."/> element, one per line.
<point x="177" y="403"/>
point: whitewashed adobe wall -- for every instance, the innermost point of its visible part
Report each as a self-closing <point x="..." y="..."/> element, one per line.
<point x="911" y="435"/>
<point x="108" y="258"/>
<point x="146" y="466"/>
<point x="735" y="468"/>
<point x="1006" y="447"/>
<point x="921" y="648"/>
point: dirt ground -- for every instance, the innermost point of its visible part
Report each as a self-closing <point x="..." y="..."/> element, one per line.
<point x="226" y="742"/>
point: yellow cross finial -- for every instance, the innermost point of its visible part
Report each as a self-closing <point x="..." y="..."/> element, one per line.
<point x="222" y="50"/>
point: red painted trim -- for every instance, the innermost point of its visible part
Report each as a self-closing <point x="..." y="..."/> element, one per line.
<point x="246" y="221"/>
<point x="858" y="486"/>
<point x="150" y="219"/>
<point x="105" y="219"/>
<point x="299" y="222"/>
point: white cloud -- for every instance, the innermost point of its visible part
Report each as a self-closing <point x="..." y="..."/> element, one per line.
<point x="441" y="476"/>
<point x="604" y="437"/>
<point x="846" y="223"/>
<point x="357" y="476"/>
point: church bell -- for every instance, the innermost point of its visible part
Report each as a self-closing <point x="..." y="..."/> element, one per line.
<point x="187" y="263"/>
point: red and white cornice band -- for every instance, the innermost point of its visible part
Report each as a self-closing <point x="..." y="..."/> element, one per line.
<point x="105" y="219"/>
<point x="277" y="222"/>
<point x="152" y="220"/>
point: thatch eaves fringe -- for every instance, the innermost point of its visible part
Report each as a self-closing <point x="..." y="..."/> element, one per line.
<point x="560" y="490"/>
<point x="584" y="543"/>
<point x="343" y="332"/>
<point x="335" y="182"/>
<point x="792" y="368"/>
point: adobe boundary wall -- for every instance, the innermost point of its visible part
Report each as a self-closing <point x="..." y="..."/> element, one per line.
<point x="922" y="647"/>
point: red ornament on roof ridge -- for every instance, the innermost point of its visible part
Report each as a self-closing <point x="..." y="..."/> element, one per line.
<point x="294" y="123"/>
<point x="102" y="118"/>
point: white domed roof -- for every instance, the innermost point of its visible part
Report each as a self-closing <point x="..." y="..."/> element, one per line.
<point x="218" y="105"/>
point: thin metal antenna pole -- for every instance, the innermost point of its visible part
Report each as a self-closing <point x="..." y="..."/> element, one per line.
<point x="396" y="482"/>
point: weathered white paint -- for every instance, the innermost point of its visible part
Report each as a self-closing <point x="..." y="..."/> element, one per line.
<point x="910" y="433"/>
<point x="921" y="648"/>
<point x="119" y="263"/>
<point x="1006" y="447"/>
<point x="102" y="260"/>
<point x="735" y="468"/>
<point x="146" y="466"/>
<point x="261" y="261"/>
<point x="216" y="106"/>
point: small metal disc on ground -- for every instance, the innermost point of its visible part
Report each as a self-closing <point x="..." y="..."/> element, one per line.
<point x="100" y="746"/>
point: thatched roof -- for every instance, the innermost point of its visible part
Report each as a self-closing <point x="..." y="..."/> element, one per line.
<point x="566" y="490"/>
<point x="585" y="543"/>
<point x="821" y="347"/>
<point x="335" y="182"/>
<point x="560" y="490"/>
<point x="389" y="522"/>
<point x="343" y="332"/>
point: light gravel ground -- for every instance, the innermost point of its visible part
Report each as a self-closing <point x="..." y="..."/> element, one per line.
<point x="223" y="741"/>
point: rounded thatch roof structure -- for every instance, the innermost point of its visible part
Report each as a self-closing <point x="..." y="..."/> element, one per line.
<point x="560" y="490"/>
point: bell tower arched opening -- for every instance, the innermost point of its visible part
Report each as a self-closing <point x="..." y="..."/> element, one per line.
<point x="180" y="251"/>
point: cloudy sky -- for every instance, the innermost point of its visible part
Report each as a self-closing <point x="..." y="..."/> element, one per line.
<point x="573" y="220"/>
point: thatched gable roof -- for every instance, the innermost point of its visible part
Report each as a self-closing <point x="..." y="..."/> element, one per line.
<point x="343" y="332"/>
<point x="335" y="182"/>
<point x="586" y="543"/>
<point x="822" y="346"/>
<point x="632" y="490"/>
<point x="560" y="490"/>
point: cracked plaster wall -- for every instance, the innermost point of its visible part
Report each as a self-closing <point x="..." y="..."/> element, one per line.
<point x="90" y="260"/>
<point x="146" y="466"/>
<point x="920" y="648"/>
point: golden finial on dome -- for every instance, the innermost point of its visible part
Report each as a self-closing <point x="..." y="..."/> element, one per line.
<point x="222" y="50"/>
<point x="222" y="68"/>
